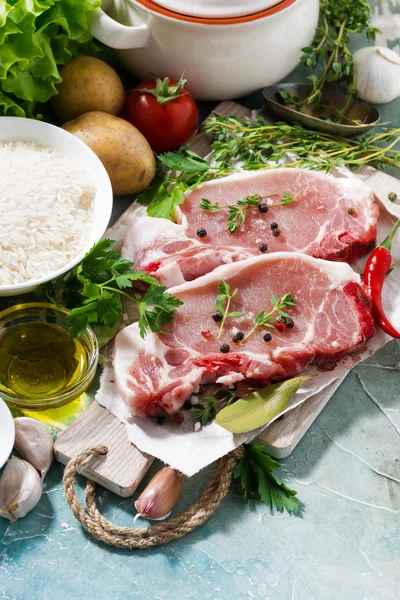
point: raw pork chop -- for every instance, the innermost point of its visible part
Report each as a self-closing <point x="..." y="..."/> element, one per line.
<point x="332" y="318"/>
<point x="331" y="218"/>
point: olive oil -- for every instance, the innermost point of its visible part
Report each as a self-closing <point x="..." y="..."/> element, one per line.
<point x="39" y="361"/>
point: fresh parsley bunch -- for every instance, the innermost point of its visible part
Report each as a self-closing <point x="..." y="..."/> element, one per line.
<point x="92" y="291"/>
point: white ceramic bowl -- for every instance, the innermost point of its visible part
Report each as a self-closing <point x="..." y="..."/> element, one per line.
<point x="221" y="58"/>
<point x="7" y="433"/>
<point x="29" y="130"/>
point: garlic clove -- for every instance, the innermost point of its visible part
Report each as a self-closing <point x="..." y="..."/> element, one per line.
<point x="377" y="74"/>
<point x="20" y="489"/>
<point x="34" y="443"/>
<point x="160" y="496"/>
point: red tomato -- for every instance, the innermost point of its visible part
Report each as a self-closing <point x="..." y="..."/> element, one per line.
<point x="167" y="116"/>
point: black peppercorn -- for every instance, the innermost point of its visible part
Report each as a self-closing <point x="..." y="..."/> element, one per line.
<point x="276" y="232"/>
<point x="289" y="323"/>
<point x="263" y="208"/>
<point x="263" y="247"/>
<point x="217" y="317"/>
<point x="160" y="420"/>
<point x="274" y="225"/>
<point x="224" y="348"/>
<point x="267" y="337"/>
<point x="201" y="232"/>
<point x="238" y="336"/>
<point x="187" y="405"/>
<point x="351" y="211"/>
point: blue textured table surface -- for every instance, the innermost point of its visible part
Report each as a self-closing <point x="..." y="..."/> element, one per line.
<point x="344" y="546"/>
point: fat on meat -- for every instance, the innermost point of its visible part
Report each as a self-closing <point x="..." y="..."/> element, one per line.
<point x="332" y="318"/>
<point x="331" y="218"/>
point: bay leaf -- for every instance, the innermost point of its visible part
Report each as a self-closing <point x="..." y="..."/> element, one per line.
<point x="259" y="407"/>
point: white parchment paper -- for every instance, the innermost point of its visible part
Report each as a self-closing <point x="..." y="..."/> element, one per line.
<point x="179" y="445"/>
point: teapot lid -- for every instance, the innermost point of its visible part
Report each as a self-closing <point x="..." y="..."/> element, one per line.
<point x="216" y="9"/>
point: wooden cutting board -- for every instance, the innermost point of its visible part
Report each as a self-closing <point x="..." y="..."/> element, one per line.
<point x="124" y="466"/>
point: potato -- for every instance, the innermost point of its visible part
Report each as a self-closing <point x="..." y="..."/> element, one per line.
<point x="122" y="149"/>
<point x="87" y="84"/>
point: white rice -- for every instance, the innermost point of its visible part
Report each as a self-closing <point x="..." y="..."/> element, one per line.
<point x="46" y="211"/>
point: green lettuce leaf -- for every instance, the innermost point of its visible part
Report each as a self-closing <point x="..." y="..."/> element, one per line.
<point x="36" y="38"/>
<point x="9" y="108"/>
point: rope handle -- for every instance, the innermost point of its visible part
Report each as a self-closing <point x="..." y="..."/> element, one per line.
<point x="160" y="533"/>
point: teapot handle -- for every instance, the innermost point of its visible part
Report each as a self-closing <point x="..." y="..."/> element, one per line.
<point x="114" y="34"/>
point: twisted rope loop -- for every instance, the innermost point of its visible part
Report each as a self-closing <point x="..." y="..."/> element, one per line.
<point x="160" y="533"/>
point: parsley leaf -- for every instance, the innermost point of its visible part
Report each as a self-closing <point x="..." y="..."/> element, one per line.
<point x="150" y="194"/>
<point x="256" y="473"/>
<point x="164" y="303"/>
<point x="177" y="172"/>
<point x="79" y="319"/>
<point x="185" y="161"/>
<point x="157" y="296"/>
<point x="126" y="279"/>
<point x="167" y="199"/>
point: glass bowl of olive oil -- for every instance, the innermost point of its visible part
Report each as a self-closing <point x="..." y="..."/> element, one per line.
<point x="40" y="366"/>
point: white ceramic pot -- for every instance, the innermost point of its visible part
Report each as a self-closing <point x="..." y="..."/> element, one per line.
<point x="222" y="57"/>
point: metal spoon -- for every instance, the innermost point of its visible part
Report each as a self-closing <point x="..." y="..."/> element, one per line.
<point x="360" y="111"/>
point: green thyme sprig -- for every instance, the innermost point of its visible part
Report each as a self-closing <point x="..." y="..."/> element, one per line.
<point x="329" y="50"/>
<point x="287" y="198"/>
<point x="263" y="320"/>
<point x="237" y="212"/>
<point x="223" y="302"/>
<point x="258" y="144"/>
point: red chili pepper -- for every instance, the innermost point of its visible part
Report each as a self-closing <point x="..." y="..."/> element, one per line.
<point x="377" y="267"/>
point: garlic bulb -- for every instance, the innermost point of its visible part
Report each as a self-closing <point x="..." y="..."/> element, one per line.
<point x="160" y="496"/>
<point x="34" y="443"/>
<point x="20" y="489"/>
<point x="378" y="74"/>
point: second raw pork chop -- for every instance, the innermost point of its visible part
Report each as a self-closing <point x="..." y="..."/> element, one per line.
<point x="330" y="218"/>
<point x="332" y="318"/>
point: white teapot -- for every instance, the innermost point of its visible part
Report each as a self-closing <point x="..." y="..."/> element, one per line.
<point x="226" y="48"/>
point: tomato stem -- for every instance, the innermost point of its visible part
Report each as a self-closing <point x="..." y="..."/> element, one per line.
<point x="165" y="91"/>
